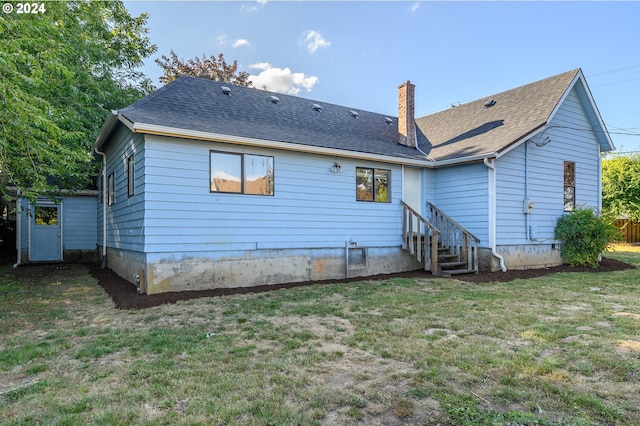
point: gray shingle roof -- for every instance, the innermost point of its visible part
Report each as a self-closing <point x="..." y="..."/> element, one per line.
<point x="200" y="105"/>
<point x="468" y="130"/>
<point x="472" y="129"/>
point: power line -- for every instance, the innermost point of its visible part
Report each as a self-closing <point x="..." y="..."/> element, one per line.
<point x="614" y="71"/>
<point x="617" y="82"/>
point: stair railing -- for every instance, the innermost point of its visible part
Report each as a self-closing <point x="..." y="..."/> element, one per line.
<point x="454" y="237"/>
<point x="420" y="238"/>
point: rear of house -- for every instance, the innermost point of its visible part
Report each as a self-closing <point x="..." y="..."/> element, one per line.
<point x="209" y="185"/>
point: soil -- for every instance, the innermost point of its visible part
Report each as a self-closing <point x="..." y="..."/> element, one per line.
<point x="125" y="296"/>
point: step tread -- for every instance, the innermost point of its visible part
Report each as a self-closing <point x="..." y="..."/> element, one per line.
<point x="448" y="273"/>
<point x="451" y="264"/>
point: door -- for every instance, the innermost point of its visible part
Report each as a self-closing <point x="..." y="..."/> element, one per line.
<point x="46" y="233"/>
<point x="413" y="189"/>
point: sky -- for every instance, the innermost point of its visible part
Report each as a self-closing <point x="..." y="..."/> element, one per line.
<point x="357" y="53"/>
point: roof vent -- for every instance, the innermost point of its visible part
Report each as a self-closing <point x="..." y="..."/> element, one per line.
<point x="226" y="90"/>
<point x="354" y="114"/>
<point x="489" y="103"/>
<point x="388" y="120"/>
<point x="274" y="99"/>
<point x="316" y="107"/>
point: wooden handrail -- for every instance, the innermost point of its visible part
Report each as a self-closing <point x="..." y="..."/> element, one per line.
<point x="454" y="237"/>
<point x="424" y="230"/>
<point x="441" y="213"/>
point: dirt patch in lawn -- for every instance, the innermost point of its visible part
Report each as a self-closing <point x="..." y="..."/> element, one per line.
<point x="124" y="293"/>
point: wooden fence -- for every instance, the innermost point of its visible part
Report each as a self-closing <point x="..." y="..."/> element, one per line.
<point x="630" y="230"/>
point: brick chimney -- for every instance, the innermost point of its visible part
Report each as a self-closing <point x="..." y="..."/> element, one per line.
<point x="406" y="112"/>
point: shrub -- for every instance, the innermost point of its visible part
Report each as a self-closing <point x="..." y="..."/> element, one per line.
<point x="585" y="236"/>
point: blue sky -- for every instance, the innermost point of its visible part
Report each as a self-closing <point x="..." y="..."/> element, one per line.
<point x="357" y="53"/>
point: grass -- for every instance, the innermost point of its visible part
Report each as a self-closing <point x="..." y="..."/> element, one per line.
<point x="561" y="349"/>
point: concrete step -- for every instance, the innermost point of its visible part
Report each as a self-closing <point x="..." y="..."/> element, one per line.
<point x="451" y="272"/>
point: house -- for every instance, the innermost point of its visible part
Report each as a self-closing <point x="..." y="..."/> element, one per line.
<point x="207" y="184"/>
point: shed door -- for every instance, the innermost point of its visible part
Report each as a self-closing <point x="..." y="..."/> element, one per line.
<point x="46" y="233"/>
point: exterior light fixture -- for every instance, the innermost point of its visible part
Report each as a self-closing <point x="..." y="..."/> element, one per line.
<point x="336" y="168"/>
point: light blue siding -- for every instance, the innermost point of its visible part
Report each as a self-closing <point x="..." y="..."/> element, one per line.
<point x="461" y="192"/>
<point x="569" y="140"/>
<point x="312" y="206"/>
<point x="79" y="223"/>
<point x="124" y="217"/>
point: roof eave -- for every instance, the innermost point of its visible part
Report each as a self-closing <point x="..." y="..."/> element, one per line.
<point x="597" y="123"/>
<point x="105" y="130"/>
<point x="153" y="129"/>
<point x="462" y="160"/>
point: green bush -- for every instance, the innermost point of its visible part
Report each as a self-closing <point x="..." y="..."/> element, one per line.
<point x="585" y="236"/>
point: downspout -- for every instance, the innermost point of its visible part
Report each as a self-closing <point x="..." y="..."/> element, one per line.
<point x="492" y="212"/>
<point x="18" y="228"/>
<point x="599" y="180"/>
<point x="526" y="189"/>
<point x="104" y="207"/>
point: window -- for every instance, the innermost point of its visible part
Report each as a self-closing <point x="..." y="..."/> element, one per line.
<point x="111" y="192"/>
<point x="241" y="173"/>
<point x="373" y="185"/>
<point x="46" y="215"/>
<point x="130" y="175"/>
<point x="569" y="186"/>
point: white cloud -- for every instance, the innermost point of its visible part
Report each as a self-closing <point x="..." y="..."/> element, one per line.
<point x="414" y="7"/>
<point x="281" y="80"/>
<point x="222" y="40"/>
<point x="313" y="40"/>
<point x="251" y="9"/>
<point x="241" y="42"/>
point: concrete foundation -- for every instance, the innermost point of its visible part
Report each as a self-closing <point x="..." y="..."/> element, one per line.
<point x="530" y="256"/>
<point x="127" y="264"/>
<point x="260" y="267"/>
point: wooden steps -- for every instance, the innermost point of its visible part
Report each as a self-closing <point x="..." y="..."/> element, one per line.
<point x="440" y="244"/>
<point x="450" y="264"/>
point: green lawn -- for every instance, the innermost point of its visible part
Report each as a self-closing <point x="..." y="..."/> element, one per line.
<point x="561" y="349"/>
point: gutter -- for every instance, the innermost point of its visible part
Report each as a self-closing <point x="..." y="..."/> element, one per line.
<point x="489" y="162"/>
<point x="289" y="146"/>
<point x="174" y="132"/>
<point x="18" y="229"/>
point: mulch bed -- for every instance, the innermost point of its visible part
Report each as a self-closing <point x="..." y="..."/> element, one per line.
<point x="124" y="293"/>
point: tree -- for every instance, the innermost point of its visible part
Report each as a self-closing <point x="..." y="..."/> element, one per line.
<point x="212" y="68"/>
<point x="621" y="186"/>
<point x="61" y="71"/>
